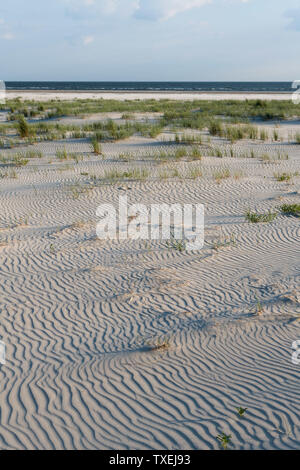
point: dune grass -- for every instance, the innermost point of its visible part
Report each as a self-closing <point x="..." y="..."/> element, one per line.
<point x="283" y="176"/>
<point x="254" y="217"/>
<point x="291" y="209"/>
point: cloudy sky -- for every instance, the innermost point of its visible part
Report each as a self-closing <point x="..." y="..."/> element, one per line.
<point x="150" y="40"/>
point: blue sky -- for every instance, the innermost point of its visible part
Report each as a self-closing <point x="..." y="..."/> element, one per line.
<point x="150" y="40"/>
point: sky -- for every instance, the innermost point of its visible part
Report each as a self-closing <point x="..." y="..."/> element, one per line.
<point x="150" y="40"/>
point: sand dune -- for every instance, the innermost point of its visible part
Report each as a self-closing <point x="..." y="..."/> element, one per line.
<point x="81" y="317"/>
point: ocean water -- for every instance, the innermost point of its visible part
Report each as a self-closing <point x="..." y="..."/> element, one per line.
<point x="155" y="86"/>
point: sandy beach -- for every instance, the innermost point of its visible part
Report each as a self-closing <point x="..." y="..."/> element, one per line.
<point x="82" y="318"/>
<point x="122" y="96"/>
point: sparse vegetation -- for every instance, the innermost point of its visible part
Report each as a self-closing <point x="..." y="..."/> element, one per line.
<point x="96" y="147"/>
<point x="159" y="344"/>
<point x="224" y="440"/>
<point x="291" y="209"/>
<point x="241" y="411"/>
<point x="283" y="176"/>
<point x="23" y="127"/>
<point x="255" y="217"/>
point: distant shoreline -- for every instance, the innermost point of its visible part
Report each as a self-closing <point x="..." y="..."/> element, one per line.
<point x="44" y="95"/>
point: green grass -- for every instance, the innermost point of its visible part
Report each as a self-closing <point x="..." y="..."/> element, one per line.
<point x="23" y="127"/>
<point x="224" y="440"/>
<point x="134" y="174"/>
<point x="283" y="176"/>
<point x="254" y="217"/>
<point x="221" y="174"/>
<point x="62" y="154"/>
<point x="241" y="411"/>
<point x="96" y="147"/>
<point x="19" y="160"/>
<point x="195" y="173"/>
<point x="178" y="245"/>
<point x="196" y="153"/>
<point x="291" y="209"/>
<point x="180" y="153"/>
<point x="194" y="114"/>
<point x="215" y="128"/>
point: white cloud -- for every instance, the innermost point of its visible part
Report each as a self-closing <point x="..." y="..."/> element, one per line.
<point x="163" y="9"/>
<point x="8" y="36"/>
<point x="88" y="40"/>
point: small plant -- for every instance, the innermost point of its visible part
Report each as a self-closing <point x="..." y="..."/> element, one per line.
<point x="127" y="116"/>
<point x="220" y="175"/>
<point x="259" y="308"/>
<point x="224" y="242"/>
<point x="291" y="209"/>
<point x="19" y="160"/>
<point x="241" y="411"/>
<point x="215" y="128"/>
<point x="255" y="218"/>
<point x="263" y="135"/>
<point x="159" y="344"/>
<point x="265" y="157"/>
<point x="125" y="157"/>
<point x="283" y="176"/>
<point x="196" y="154"/>
<point x="224" y="439"/>
<point x="23" y="127"/>
<point x="180" y="153"/>
<point x="96" y="147"/>
<point x="178" y="245"/>
<point x="238" y="174"/>
<point x="62" y="154"/>
<point x="195" y="173"/>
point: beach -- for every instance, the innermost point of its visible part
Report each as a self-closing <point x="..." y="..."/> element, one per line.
<point x="138" y="95"/>
<point x="138" y="344"/>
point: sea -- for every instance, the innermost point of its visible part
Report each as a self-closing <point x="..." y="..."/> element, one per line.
<point x="259" y="87"/>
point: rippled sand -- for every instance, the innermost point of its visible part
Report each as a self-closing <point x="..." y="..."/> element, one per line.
<point x="80" y="316"/>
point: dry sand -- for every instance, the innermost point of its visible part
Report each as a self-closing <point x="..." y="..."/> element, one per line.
<point x="78" y="314"/>
<point x="121" y="96"/>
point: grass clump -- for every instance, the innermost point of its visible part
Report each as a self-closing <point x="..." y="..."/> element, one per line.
<point x="215" y="128"/>
<point x="283" y="176"/>
<point x="254" y="217"/>
<point x="19" y="160"/>
<point x="62" y="154"/>
<point x="23" y="127"/>
<point x="96" y="147"/>
<point x="195" y="173"/>
<point x="220" y="175"/>
<point x="224" y="440"/>
<point x="196" y="154"/>
<point x="178" y="245"/>
<point x="291" y="209"/>
<point x="241" y="411"/>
